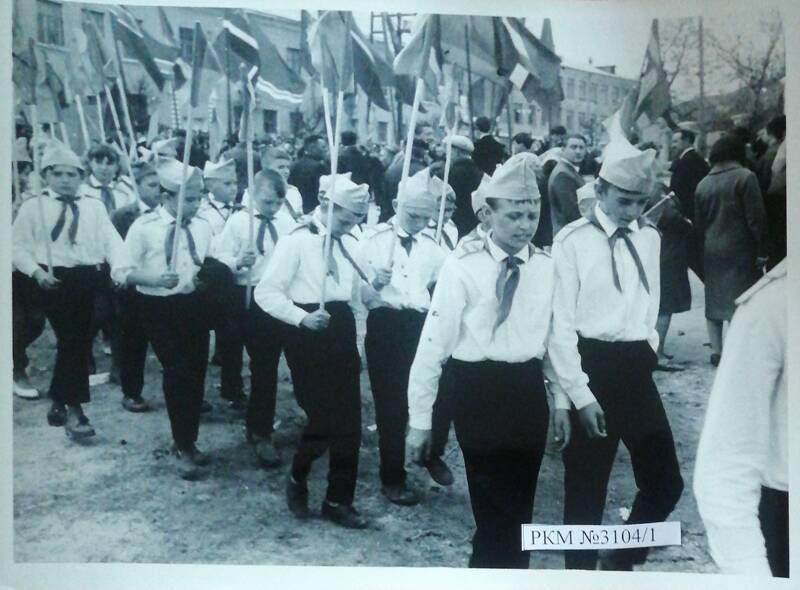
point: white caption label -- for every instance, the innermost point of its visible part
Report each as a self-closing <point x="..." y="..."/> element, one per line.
<point x="536" y="537"/>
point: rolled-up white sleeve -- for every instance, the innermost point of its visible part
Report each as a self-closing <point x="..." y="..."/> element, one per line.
<point x="130" y="255"/>
<point x="562" y="343"/>
<point x="271" y="293"/>
<point x="439" y="337"/>
<point x="735" y="442"/>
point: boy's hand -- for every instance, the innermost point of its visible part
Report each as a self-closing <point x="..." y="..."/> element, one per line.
<point x="317" y="320"/>
<point x="593" y="420"/>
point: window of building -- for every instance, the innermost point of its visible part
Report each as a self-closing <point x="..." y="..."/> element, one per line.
<point x="570" y="123"/>
<point x="97" y="17"/>
<point x="49" y="23"/>
<point x="570" y="87"/>
<point x="603" y="93"/>
<point x="296" y="122"/>
<point x="270" y="121"/>
<point x="186" y="37"/>
<point x="518" y="112"/>
<point x="532" y="115"/>
<point x="293" y="58"/>
<point x="582" y="90"/>
<point x="383" y="132"/>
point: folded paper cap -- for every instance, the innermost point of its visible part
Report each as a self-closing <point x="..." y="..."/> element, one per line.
<point x="170" y="174"/>
<point x="628" y="168"/>
<point x="165" y="147"/>
<point x="58" y="154"/>
<point x="325" y="182"/>
<point x="349" y="195"/>
<point x="460" y="142"/>
<point x="587" y="197"/>
<point x="221" y="169"/>
<point x="515" y="179"/>
<point x="20" y="150"/>
<point x="479" y="194"/>
<point x="423" y="191"/>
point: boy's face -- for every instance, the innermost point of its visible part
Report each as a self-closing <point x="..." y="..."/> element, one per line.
<point x="513" y="223"/>
<point x="65" y="180"/>
<point x="104" y="170"/>
<point x="622" y="207"/>
<point x="224" y="188"/>
<point x="343" y="221"/>
<point x="191" y="202"/>
<point x="267" y="201"/>
<point x="449" y="208"/>
<point x="414" y="219"/>
<point x="281" y="166"/>
<point x="150" y="190"/>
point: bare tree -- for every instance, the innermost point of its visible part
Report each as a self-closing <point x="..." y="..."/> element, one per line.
<point x="679" y="48"/>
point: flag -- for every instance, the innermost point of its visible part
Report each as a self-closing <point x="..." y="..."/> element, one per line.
<point x="451" y="99"/>
<point x="236" y="45"/>
<point x="166" y="27"/>
<point x="278" y="81"/>
<point x="404" y="85"/>
<point x="248" y="99"/>
<point x="206" y="69"/>
<point x="332" y="50"/>
<point x="305" y="52"/>
<point x="128" y="33"/>
<point x="653" y="98"/>
<point x="423" y="55"/>
<point x="23" y="73"/>
<point x="366" y="66"/>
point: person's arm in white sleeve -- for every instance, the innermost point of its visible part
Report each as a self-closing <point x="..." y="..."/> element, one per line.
<point x="654" y="281"/>
<point x="271" y="292"/>
<point x="226" y="248"/>
<point x="24" y="239"/>
<point x="562" y="344"/>
<point x="734" y="444"/>
<point x="439" y="337"/>
<point x="111" y="240"/>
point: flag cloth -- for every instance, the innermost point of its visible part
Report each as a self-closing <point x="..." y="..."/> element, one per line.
<point x="166" y="28"/>
<point x="404" y="85"/>
<point x="653" y="99"/>
<point x="236" y="45"/>
<point x="332" y="50"/>
<point x="306" y="21"/>
<point x="366" y="66"/>
<point x="423" y="56"/>
<point x="450" y="98"/>
<point x="23" y="73"/>
<point x="278" y="81"/>
<point x="206" y="69"/>
<point x="128" y="33"/>
<point x="248" y="99"/>
<point x="100" y="65"/>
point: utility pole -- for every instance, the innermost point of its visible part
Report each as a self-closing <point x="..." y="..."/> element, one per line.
<point x="702" y="75"/>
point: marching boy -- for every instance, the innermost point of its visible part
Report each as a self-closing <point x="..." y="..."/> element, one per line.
<point x="398" y="299"/>
<point x="220" y="202"/>
<point x="173" y="313"/>
<point x="260" y="332"/>
<point x="491" y="312"/>
<point x="321" y="347"/>
<point x="606" y="305"/>
<point x="106" y="181"/>
<point x="81" y="238"/>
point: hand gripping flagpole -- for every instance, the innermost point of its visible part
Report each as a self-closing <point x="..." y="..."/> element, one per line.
<point x="406" y="165"/>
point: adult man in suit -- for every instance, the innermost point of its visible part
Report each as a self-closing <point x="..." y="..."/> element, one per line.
<point x="308" y="168"/>
<point x="565" y="180"/>
<point x="489" y="152"/>
<point x="465" y="177"/>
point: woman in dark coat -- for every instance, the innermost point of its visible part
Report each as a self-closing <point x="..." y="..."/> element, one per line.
<point x="730" y="220"/>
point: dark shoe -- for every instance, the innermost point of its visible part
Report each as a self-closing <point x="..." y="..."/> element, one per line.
<point x="198" y="457"/>
<point x="615" y="561"/>
<point x="57" y="415"/>
<point x="401" y="494"/>
<point x="135" y="404"/>
<point x="185" y="466"/>
<point x="297" y="497"/>
<point x="205" y="407"/>
<point x="343" y="515"/>
<point x="715" y="358"/>
<point x="266" y="453"/>
<point x="77" y="425"/>
<point x="439" y="471"/>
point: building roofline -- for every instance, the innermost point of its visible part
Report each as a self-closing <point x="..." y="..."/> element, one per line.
<point x="590" y="69"/>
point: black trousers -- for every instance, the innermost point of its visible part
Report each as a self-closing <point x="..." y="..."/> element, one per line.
<point x="129" y="341"/>
<point x="501" y="417"/>
<point x="27" y="317"/>
<point x="621" y="378"/>
<point x="264" y="337"/>
<point x="175" y="327"/>
<point x="229" y="345"/>
<point x="442" y="415"/>
<point x="69" y="310"/>
<point x="773" y="512"/>
<point x="325" y="370"/>
<point x="390" y="345"/>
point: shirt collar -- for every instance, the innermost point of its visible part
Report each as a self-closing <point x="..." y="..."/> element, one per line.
<point x="686" y="151"/>
<point x="608" y="225"/>
<point x="571" y="165"/>
<point x="143" y="208"/>
<point x="401" y="233"/>
<point x="317" y="220"/>
<point x="94" y="183"/>
<point x="217" y="204"/>
<point x="500" y="255"/>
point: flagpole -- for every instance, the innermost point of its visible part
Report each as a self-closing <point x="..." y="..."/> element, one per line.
<point x="15" y="178"/>
<point x="63" y="128"/>
<point x="124" y="99"/>
<point x="328" y="244"/>
<point x="508" y="116"/>
<point x="251" y="190"/>
<point x="187" y="149"/>
<point x="99" y="97"/>
<point x="448" y="159"/>
<point x="82" y="118"/>
<point x="115" y="116"/>
<point x="326" y="106"/>
<point x="412" y="122"/>
<point x="228" y="84"/>
<point x="469" y="84"/>
<point x="36" y="187"/>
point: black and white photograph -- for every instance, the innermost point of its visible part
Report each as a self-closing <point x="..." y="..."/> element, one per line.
<point x="492" y="289"/>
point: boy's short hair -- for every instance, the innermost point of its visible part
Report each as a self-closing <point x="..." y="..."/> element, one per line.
<point x="483" y="124"/>
<point x="273" y="153"/>
<point x="525" y="139"/>
<point x="492" y="202"/>
<point x="576" y="136"/>
<point x="274" y="179"/>
<point x="142" y="170"/>
<point x="102" y="152"/>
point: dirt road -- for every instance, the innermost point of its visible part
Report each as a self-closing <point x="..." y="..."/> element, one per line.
<point x="116" y="499"/>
